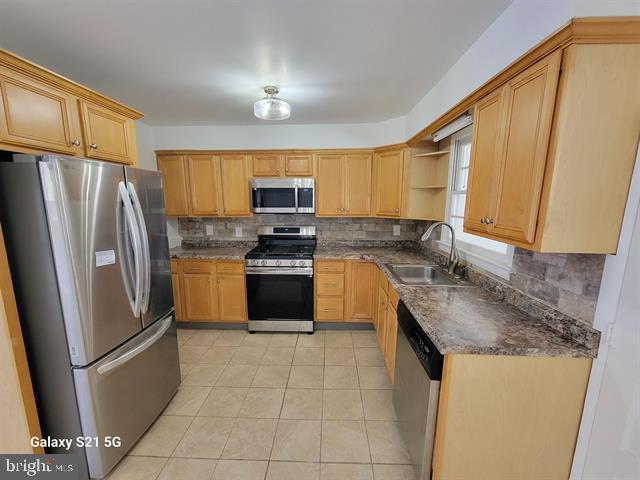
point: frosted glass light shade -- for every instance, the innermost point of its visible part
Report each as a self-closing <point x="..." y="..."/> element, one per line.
<point x="271" y="108"/>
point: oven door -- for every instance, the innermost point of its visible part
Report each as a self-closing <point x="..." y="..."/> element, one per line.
<point x="275" y="293"/>
<point x="273" y="199"/>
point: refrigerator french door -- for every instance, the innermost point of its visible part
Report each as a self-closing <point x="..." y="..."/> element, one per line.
<point x="92" y="283"/>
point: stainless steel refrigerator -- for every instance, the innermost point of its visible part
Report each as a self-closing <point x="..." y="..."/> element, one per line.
<point x="89" y="258"/>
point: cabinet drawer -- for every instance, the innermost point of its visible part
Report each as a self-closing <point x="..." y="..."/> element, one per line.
<point x="330" y="266"/>
<point x="174" y="266"/>
<point x="394" y="298"/>
<point x="230" y="268"/>
<point x="329" y="309"/>
<point x="196" y="266"/>
<point x="330" y="284"/>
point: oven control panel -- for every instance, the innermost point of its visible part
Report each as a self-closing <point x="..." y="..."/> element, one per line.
<point x="271" y="262"/>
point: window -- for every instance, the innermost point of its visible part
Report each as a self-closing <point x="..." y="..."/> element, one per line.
<point x="488" y="254"/>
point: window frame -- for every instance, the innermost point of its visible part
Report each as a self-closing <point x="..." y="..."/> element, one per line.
<point x="475" y="254"/>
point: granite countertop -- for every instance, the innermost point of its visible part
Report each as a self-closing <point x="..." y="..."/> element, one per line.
<point x="461" y="320"/>
<point x="211" y="253"/>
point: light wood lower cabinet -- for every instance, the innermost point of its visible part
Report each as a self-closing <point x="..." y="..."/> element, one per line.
<point x="210" y="291"/>
<point x="508" y="416"/>
<point x="177" y="292"/>
<point x="360" y="289"/>
<point x="344" y="290"/>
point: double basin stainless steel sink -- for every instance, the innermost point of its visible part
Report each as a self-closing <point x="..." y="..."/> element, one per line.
<point x="428" y="275"/>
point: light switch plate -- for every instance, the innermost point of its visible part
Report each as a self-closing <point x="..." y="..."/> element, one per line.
<point x="396" y="230"/>
<point x="209" y="229"/>
<point x="238" y="231"/>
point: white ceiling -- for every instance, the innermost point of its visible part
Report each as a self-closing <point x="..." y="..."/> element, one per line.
<point x="199" y="62"/>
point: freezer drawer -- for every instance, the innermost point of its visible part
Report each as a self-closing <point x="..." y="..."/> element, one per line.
<point x="122" y="394"/>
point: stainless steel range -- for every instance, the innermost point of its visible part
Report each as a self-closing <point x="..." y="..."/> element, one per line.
<point x="279" y="274"/>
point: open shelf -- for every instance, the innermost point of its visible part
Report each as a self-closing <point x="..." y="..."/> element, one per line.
<point x="431" y="154"/>
<point x="429" y="174"/>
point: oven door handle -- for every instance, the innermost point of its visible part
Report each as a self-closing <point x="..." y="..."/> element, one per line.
<point x="308" y="272"/>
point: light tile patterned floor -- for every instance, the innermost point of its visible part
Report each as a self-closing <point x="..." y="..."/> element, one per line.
<point x="275" y="407"/>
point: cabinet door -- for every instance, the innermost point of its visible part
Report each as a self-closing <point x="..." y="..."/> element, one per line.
<point x="107" y="135"/>
<point x="330" y="187"/>
<point x="298" y="165"/>
<point x="357" y="189"/>
<point x="483" y="166"/>
<point x="360" y="289"/>
<point x="391" y="337"/>
<point x="197" y="297"/>
<point x="235" y="185"/>
<point x="388" y="186"/>
<point x="232" y="299"/>
<point x="381" y="315"/>
<point x="266" y="165"/>
<point x="37" y="116"/>
<point x="529" y="101"/>
<point x="174" y="185"/>
<point x="204" y="183"/>
<point x="177" y="297"/>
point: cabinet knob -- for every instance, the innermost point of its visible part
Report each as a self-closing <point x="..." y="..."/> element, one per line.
<point x="75" y="143"/>
<point x="93" y="146"/>
<point x="397" y="210"/>
<point x="489" y="221"/>
<point x="482" y="220"/>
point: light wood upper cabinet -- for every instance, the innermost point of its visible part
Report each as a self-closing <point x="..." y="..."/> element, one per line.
<point x="37" y="115"/>
<point x="266" y="165"/>
<point x="389" y="167"/>
<point x="344" y="185"/>
<point x="529" y="99"/>
<point x="483" y="169"/>
<point x="330" y="185"/>
<point x="107" y="134"/>
<point x="361" y="286"/>
<point x="298" y="165"/>
<point x="204" y="183"/>
<point x="509" y="153"/>
<point x="234" y="173"/>
<point x="41" y="112"/>
<point x="357" y="185"/>
<point x="174" y="184"/>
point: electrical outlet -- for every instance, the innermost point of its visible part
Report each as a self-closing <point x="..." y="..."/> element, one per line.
<point x="396" y="230"/>
<point x="238" y="231"/>
<point x="209" y="229"/>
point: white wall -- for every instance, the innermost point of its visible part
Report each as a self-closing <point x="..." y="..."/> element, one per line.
<point x="523" y="24"/>
<point x="281" y="136"/>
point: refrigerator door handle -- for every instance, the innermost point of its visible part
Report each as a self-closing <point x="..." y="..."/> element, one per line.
<point x="123" y="195"/>
<point x="146" y="255"/>
<point x="125" y="357"/>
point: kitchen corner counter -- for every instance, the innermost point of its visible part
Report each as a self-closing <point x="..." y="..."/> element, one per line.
<point x="211" y="253"/>
<point x="465" y="320"/>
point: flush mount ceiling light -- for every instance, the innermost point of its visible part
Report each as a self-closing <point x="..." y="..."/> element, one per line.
<point x="271" y="107"/>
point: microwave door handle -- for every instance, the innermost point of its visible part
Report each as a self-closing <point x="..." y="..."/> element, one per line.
<point x="296" y="198"/>
<point x="129" y="214"/>
<point x="144" y="240"/>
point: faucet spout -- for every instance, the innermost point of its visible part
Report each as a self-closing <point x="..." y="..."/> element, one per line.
<point x="453" y="254"/>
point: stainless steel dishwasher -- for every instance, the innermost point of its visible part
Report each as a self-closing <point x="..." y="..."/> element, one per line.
<point x="416" y="390"/>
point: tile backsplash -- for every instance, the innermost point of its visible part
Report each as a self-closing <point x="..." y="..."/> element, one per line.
<point x="194" y="230"/>
<point x="568" y="283"/>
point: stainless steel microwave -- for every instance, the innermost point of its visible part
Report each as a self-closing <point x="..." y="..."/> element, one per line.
<point x="283" y="195"/>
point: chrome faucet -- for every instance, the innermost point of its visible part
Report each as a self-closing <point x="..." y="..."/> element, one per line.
<point x="453" y="255"/>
